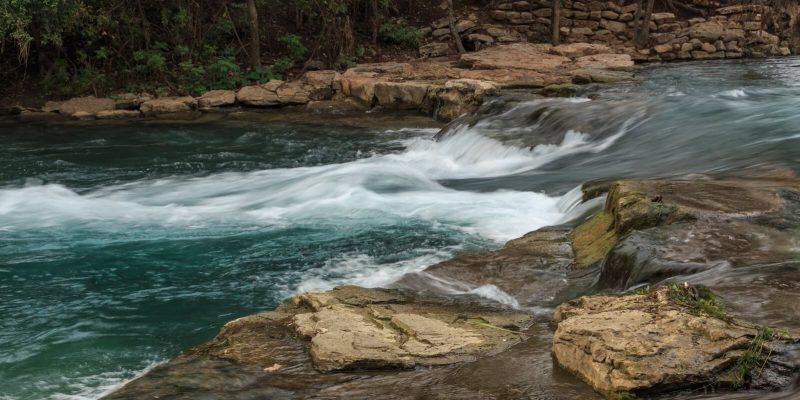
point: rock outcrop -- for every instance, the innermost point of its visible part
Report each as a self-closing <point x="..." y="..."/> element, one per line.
<point x="168" y="105"/>
<point x="83" y="106"/>
<point x="664" y="339"/>
<point x="346" y="329"/>
<point x="216" y="98"/>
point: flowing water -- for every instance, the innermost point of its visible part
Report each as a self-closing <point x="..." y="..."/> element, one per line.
<point x="121" y="246"/>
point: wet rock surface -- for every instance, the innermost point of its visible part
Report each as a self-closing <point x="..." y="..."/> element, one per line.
<point x="665" y="340"/>
<point x="478" y="326"/>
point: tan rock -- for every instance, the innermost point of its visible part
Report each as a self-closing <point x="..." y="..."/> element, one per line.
<point x="130" y="101"/>
<point x="613" y="26"/>
<point x="618" y="62"/>
<point x="275" y="93"/>
<point x="644" y="341"/>
<point x="708" y="48"/>
<point x="356" y="329"/>
<point x="409" y="95"/>
<point x="707" y="31"/>
<point x="662" y="48"/>
<point x="90" y="105"/>
<point x="435" y="49"/>
<point x="168" y="105"/>
<point x="514" y="56"/>
<point x="217" y="98"/>
<point x="51" y="106"/>
<point x="575" y="50"/>
<point x="663" y="18"/>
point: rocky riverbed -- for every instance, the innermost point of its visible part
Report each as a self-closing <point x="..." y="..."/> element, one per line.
<point x="672" y="338"/>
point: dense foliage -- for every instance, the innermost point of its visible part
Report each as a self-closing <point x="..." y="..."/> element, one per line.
<point x="71" y="47"/>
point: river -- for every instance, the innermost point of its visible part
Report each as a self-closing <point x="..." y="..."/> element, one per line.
<point x="123" y="245"/>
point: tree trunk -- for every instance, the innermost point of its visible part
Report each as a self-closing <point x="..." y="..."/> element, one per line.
<point x="555" y="23"/>
<point x="644" y="32"/>
<point x="376" y="23"/>
<point x="255" y="40"/>
<point x="453" y="30"/>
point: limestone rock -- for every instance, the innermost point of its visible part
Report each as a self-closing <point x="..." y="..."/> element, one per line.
<point x="663" y="18"/>
<point x="217" y="98"/>
<point x="275" y="93"/>
<point x="514" y="56"/>
<point x="435" y="49"/>
<point x="401" y="95"/>
<point x="707" y="31"/>
<point x="130" y="101"/>
<point x="89" y="105"/>
<point x="648" y="342"/>
<point x="575" y="50"/>
<point x="168" y="105"/>
<point x="51" y="106"/>
<point x="618" y="62"/>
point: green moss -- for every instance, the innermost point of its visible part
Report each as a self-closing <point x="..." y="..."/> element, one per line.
<point x="560" y="90"/>
<point x="593" y="239"/>
<point x="699" y="300"/>
<point x="621" y="396"/>
<point x="751" y="364"/>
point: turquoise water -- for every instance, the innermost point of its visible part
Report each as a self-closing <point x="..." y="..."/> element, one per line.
<point x="121" y="246"/>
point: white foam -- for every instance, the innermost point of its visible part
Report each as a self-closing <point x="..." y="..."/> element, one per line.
<point x="379" y="188"/>
<point x="96" y="386"/>
<point x="735" y="93"/>
<point x="364" y="270"/>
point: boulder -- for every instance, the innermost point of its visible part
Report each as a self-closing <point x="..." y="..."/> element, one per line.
<point x="216" y="98"/>
<point x="613" y="26"/>
<point x="460" y="96"/>
<point x="616" y="62"/>
<point x="707" y="31"/>
<point x="168" y="105"/>
<point x="130" y="101"/>
<point x="668" y="337"/>
<point x="662" y="48"/>
<point x="435" y="49"/>
<point x="276" y="93"/>
<point x="401" y="95"/>
<point x="663" y="18"/>
<point x="514" y="56"/>
<point x="359" y="333"/>
<point x="259" y="95"/>
<point x="575" y="50"/>
<point x="51" y="106"/>
<point x="86" y="106"/>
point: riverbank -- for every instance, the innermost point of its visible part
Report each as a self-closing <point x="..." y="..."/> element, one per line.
<point x="443" y="89"/>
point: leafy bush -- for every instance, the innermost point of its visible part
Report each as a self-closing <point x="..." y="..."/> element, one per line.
<point x="396" y="31"/>
<point x="294" y="47"/>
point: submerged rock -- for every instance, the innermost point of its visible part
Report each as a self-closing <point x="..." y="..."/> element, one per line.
<point x="666" y="339"/>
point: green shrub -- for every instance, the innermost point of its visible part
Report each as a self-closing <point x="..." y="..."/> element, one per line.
<point x="396" y="31"/>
